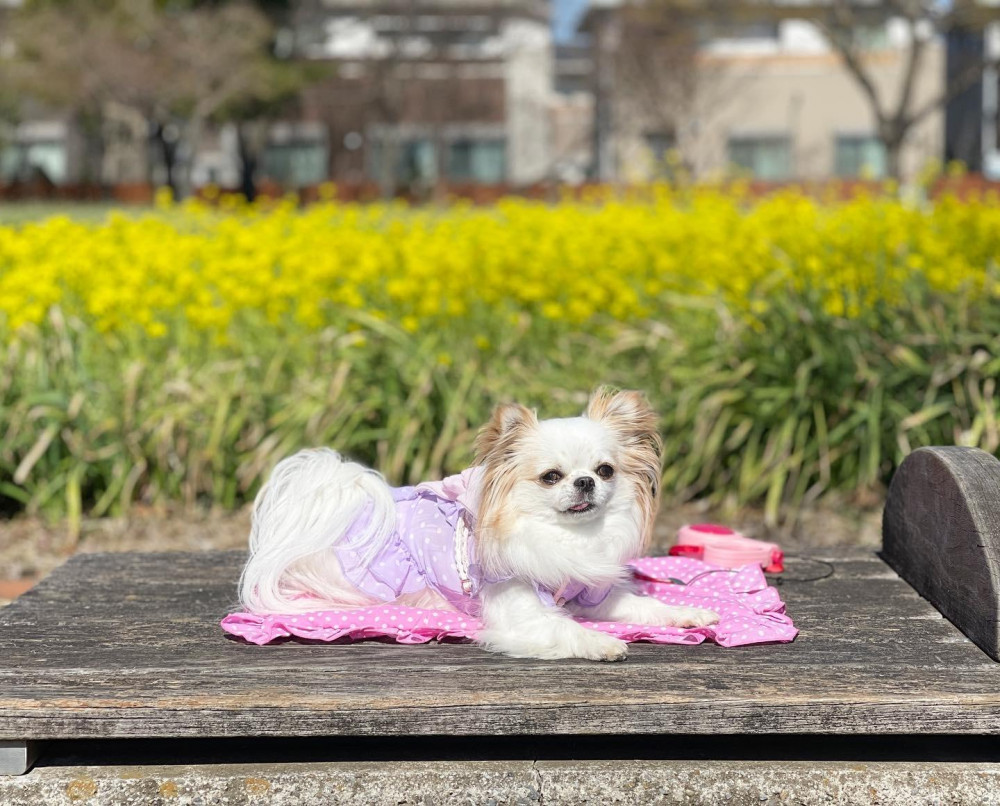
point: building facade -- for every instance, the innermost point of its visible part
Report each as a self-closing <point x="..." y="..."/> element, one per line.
<point x="417" y="93"/>
<point x="425" y="91"/>
<point x="424" y="94"/>
<point x="769" y="98"/>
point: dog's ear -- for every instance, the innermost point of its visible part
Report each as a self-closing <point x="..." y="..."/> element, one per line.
<point x="508" y="423"/>
<point x="628" y="414"/>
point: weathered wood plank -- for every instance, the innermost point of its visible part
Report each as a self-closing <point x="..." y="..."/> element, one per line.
<point x="462" y="659"/>
<point x="712" y="715"/>
<point x="214" y="574"/>
<point x="129" y="646"/>
<point x="895" y="619"/>
<point x="826" y="639"/>
<point x="851" y="597"/>
<point x="942" y="534"/>
<point x="87" y="589"/>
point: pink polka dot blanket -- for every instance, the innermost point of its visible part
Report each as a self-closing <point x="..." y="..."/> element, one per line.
<point x="750" y="612"/>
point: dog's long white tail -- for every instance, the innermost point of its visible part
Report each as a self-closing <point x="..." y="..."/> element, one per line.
<point x="308" y="506"/>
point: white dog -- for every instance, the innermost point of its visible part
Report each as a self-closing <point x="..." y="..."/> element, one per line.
<point x="539" y="530"/>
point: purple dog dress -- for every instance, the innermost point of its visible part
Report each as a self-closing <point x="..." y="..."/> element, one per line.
<point x="433" y="547"/>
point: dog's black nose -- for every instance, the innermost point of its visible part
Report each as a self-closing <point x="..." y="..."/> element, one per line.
<point x="584" y="484"/>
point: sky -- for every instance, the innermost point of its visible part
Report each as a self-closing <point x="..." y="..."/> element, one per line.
<point x="565" y="14"/>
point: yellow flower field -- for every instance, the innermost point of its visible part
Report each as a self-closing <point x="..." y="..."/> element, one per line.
<point x="793" y="347"/>
<point x="197" y="268"/>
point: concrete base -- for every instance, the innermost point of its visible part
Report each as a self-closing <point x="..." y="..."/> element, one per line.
<point x="520" y="782"/>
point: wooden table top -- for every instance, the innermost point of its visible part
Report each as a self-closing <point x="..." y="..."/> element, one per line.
<point x="129" y="645"/>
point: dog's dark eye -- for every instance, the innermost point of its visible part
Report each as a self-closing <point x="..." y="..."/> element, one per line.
<point x="605" y="471"/>
<point x="551" y="476"/>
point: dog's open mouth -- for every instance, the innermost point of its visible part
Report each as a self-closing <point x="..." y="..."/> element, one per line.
<point x="583" y="506"/>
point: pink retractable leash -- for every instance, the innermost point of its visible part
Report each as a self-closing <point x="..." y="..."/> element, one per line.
<point x="719" y="545"/>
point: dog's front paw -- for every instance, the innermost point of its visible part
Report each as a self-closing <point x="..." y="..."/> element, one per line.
<point x="690" y="617"/>
<point x="575" y="642"/>
<point x="601" y="646"/>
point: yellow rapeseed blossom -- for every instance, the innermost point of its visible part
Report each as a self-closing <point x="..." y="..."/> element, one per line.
<point x="191" y="268"/>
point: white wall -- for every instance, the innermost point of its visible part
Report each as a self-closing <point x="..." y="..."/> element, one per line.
<point x="528" y="71"/>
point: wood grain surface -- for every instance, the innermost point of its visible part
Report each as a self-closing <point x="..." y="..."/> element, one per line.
<point x="129" y="645"/>
<point x="941" y="532"/>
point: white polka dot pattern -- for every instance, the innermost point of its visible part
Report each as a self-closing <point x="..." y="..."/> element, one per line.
<point x="750" y="612"/>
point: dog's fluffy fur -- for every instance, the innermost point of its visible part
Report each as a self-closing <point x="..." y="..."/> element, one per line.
<point x="561" y="501"/>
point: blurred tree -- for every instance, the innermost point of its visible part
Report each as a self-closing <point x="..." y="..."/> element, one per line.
<point x="662" y="85"/>
<point x="276" y="94"/>
<point x="45" y="60"/>
<point x="8" y="67"/>
<point x="656" y="62"/>
<point x="897" y="113"/>
<point x="9" y="117"/>
<point x="846" y="25"/>
<point x="180" y="64"/>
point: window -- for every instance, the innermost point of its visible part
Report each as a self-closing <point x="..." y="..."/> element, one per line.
<point x="296" y="163"/>
<point x="755" y="31"/>
<point x="10" y="162"/>
<point x="859" y="155"/>
<point x="660" y="144"/>
<point x="479" y="161"/>
<point x="766" y="29"/>
<point x="19" y="160"/>
<point x="766" y="157"/>
<point x="415" y="161"/>
<point x="871" y="37"/>
<point x="662" y="147"/>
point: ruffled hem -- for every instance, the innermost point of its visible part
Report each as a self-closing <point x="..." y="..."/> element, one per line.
<point x="750" y="612"/>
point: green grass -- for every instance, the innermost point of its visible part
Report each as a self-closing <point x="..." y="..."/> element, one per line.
<point x="778" y="414"/>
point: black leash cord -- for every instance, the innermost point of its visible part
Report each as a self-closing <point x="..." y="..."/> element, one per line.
<point x="777" y="579"/>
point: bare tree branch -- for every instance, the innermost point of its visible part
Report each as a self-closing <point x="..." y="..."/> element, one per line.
<point x="914" y="57"/>
<point x="841" y="40"/>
